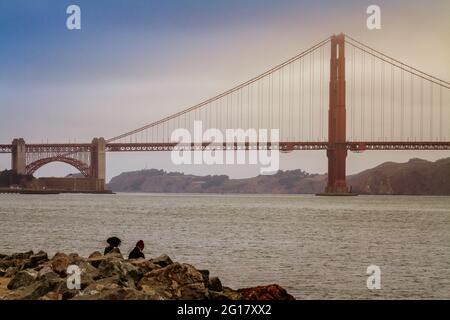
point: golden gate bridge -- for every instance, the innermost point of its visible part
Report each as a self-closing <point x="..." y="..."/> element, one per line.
<point x="339" y="95"/>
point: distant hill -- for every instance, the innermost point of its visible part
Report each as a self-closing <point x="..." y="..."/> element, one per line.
<point x="416" y="177"/>
<point x="154" y="180"/>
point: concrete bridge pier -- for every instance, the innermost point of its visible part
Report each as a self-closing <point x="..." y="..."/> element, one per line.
<point x="98" y="162"/>
<point x="18" y="158"/>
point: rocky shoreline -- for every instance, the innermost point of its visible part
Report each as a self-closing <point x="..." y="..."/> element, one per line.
<point x="35" y="276"/>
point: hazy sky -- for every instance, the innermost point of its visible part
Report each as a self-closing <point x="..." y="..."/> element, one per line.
<point x="134" y="62"/>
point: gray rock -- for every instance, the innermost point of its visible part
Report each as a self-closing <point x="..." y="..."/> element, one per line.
<point x="215" y="284"/>
<point x="10" y="272"/>
<point x="22" y="279"/>
<point x="214" y="295"/>
<point x="60" y="262"/>
<point x="176" y="281"/>
<point x="34" y="261"/>
<point x="5" y="264"/>
<point x="143" y="265"/>
<point x="69" y="294"/>
<point x="95" y="254"/>
<point x="96" y="258"/>
<point x="88" y="273"/>
<point x="115" y="252"/>
<point x="47" y="283"/>
<point x="163" y="260"/>
<point x="231" y="294"/>
<point x="127" y="273"/>
<point x="205" y="274"/>
<point x="46" y="268"/>
<point x="20" y="256"/>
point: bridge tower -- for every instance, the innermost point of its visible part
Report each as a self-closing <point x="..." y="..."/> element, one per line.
<point x="337" y="152"/>
<point x="18" y="158"/>
<point x="98" y="162"/>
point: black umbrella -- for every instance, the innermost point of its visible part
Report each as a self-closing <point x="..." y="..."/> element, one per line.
<point x="114" y="241"/>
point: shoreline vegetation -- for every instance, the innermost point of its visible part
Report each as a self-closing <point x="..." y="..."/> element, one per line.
<point x="35" y="276"/>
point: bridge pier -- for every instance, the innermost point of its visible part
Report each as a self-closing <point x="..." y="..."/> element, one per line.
<point x="98" y="162"/>
<point x="93" y="167"/>
<point x="18" y="157"/>
<point x="337" y="152"/>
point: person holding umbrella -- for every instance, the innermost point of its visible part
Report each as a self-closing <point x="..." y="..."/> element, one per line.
<point x="113" y="244"/>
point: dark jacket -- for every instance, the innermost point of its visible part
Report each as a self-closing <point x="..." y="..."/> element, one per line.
<point x="136" y="253"/>
<point x="111" y="248"/>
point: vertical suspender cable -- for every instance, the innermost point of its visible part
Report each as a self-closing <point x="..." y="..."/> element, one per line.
<point x="363" y="97"/>
<point x="440" y="114"/>
<point x="421" y="109"/>
<point x="382" y="101"/>
<point x="403" y="120"/>
<point x="372" y="97"/>
<point x="431" y="111"/>
<point x="311" y="97"/>
<point x="392" y="101"/>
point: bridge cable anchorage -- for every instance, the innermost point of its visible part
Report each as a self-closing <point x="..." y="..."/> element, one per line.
<point x="226" y="93"/>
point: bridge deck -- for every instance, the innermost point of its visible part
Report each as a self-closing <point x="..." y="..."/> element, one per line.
<point x="283" y="146"/>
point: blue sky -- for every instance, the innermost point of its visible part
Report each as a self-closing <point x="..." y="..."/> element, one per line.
<point x="135" y="61"/>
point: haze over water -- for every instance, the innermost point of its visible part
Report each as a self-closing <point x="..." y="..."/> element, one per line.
<point x="315" y="247"/>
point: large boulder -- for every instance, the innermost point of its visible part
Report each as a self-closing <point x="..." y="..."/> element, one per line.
<point x="231" y="294"/>
<point x="163" y="260"/>
<point x="96" y="258"/>
<point x="43" y="285"/>
<point x="205" y="275"/>
<point x="5" y="264"/>
<point x="60" y="262"/>
<point x="110" y="283"/>
<point x="88" y="272"/>
<point x="176" y="281"/>
<point x="22" y="279"/>
<point x="34" y="261"/>
<point x="215" y="284"/>
<point x="95" y="254"/>
<point x="38" y="258"/>
<point x="270" y="292"/>
<point x="10" y="272"/>
<point x="128" y="274"/>
<point x="16" y="260"/>
<point x="143" y="265"/>
<point x="20" y="256"/>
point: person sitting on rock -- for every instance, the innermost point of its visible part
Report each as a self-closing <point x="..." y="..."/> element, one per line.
<point x="113" y="244"/>
<point x="137" y="253"/>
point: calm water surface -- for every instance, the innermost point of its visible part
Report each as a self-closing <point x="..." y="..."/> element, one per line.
<point x="316" y="247"/>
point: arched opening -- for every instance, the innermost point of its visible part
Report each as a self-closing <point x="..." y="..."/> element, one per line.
<point x="83" y="168"/>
